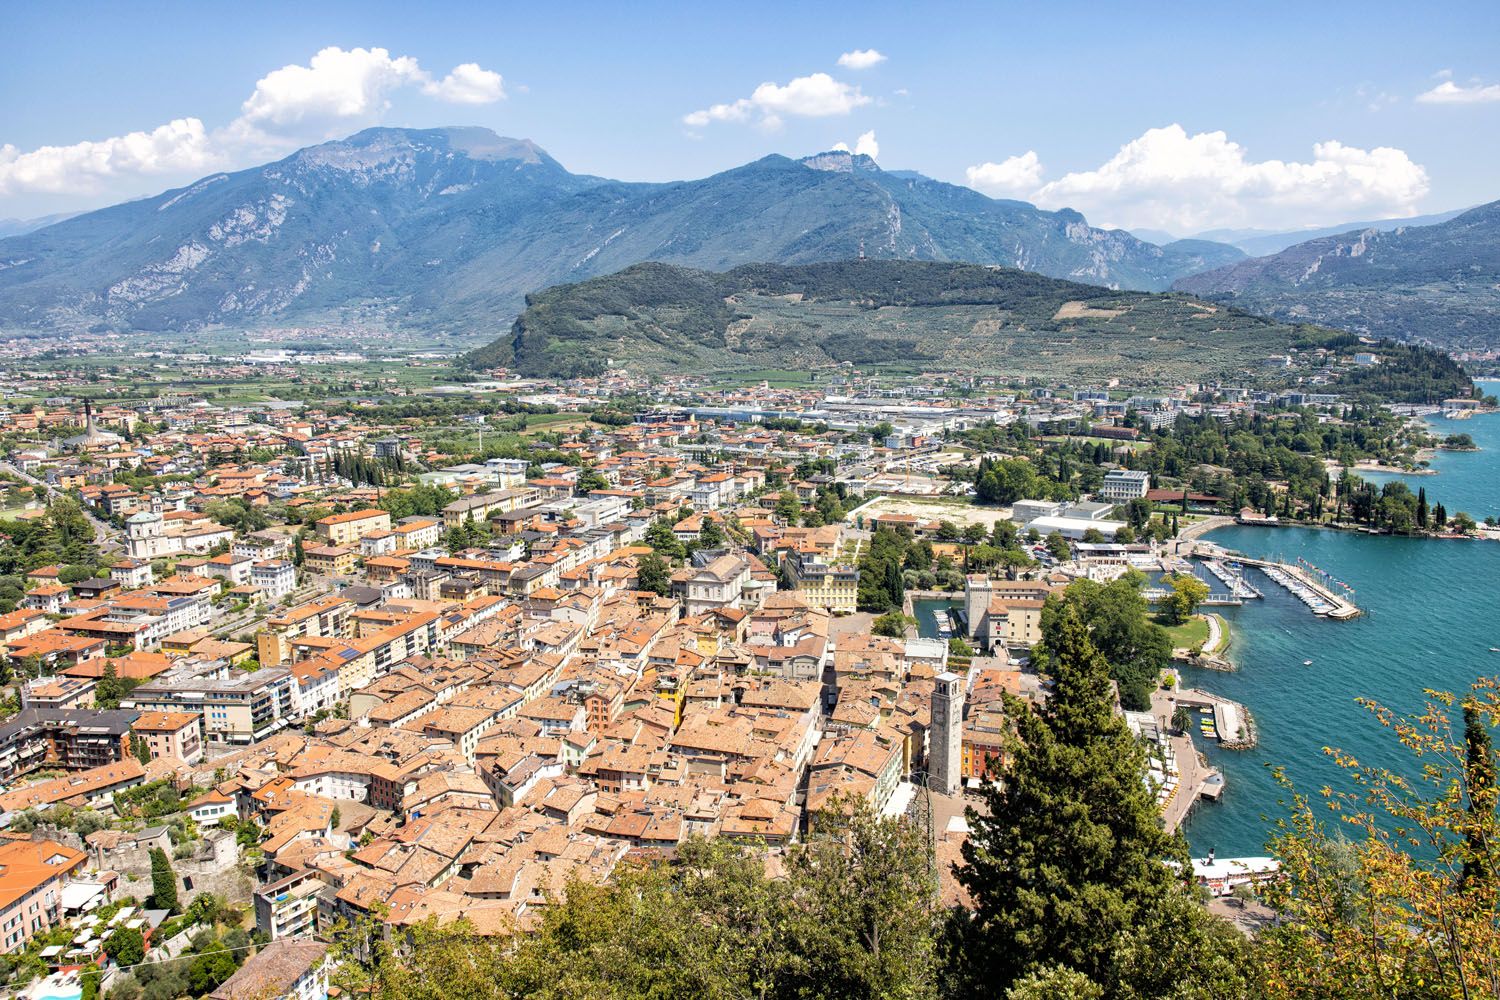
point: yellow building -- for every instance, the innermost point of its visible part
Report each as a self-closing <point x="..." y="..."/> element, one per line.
<point x="331" y="560"/>
<point x="346" y="529"/>
<point x="835" y="588"/>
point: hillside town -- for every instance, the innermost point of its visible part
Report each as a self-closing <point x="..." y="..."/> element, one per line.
<point x="297" y="666"/>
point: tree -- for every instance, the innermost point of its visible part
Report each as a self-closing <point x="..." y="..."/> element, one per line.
<point x="163" y="881"/>
<point x="710" y="536"/>
<point x="590" y="479"/>
<point x="666" y="544"/>
<point x="652" y="573"/>
<point x="1406" y="905"/>
<point x="788" y="508"/>
<point x="140" y="749"/>
<point x="1186" y="593"/>
<point x="1058" y="547"/>
<point x="892" y="624"/>
<point x="126" y="946"/>
<point x="210" y="968"/>
<point x="1118" y="619"/>
<point x="1067" y="863"/>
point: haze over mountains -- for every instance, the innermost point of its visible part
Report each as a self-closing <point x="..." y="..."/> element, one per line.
<point x="446" y="231"/>
<point x="1439" y="283"/>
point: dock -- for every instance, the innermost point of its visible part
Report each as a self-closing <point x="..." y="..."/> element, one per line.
<point x="1236" y="582"/>
<point x="1318" y="598"/>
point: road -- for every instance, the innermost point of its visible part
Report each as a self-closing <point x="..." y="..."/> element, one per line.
<point x="105" y="534"/>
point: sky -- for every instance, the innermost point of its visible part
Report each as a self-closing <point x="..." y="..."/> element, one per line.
<point x="1175" y="117"/>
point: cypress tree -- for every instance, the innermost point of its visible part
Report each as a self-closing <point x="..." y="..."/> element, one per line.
<point x="1422" y="507"/>
<point x="163" y="882"/>
<point x="1484" y="796"/>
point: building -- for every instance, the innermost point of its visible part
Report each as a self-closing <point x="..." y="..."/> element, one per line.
<point x="237" y="707"/>
<point x="60" y="738"/>
<point x="348" y="528"/>
<point x="171" y="734"/>
<point x="945" y="753"/>
<point x="274" y="577"/>
<point x="719" y="584"/>
<point x="480" y="506"/>
<point x="822" y="585"/>
<point x="285" y="969"/>
<point x="1074" y="528"/>
<point x="32" y="875"/>
<point x="1121" y="485"/>
<point x="331" y="560"/>
<point x="288" y="908"/>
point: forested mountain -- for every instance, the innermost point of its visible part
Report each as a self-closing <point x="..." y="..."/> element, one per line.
<point x="444" y="231"/>
<point x="655" y="317"/>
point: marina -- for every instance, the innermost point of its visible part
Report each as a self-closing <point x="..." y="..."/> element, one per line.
<point x="1229" y="574"/>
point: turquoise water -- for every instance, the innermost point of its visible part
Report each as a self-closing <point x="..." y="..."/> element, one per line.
<point x="926" y="624"/>
<point x="1432" y="612"/>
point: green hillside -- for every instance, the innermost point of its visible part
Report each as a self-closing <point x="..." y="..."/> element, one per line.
<point x="659" y="318"/>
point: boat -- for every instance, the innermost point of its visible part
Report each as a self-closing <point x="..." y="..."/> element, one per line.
<point x="1495" y="649"/>
<point x="1307" y="663"/>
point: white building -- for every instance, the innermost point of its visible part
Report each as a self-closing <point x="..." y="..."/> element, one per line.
<point x="275" y="577"/>
<point x="1121" y="485"/>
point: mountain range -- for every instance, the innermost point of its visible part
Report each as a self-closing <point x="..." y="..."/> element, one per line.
<point x="1439" y="283"/>
<point x="1263" y="242"/>
<point x="444" y="232"/>
<point x="910" y="315"/>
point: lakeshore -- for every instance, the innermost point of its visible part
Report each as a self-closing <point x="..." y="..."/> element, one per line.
<point x="1426" y="625"/>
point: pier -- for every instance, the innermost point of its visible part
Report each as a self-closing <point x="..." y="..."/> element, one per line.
<point x="1320" y="599"/>
<point x="1236" y="582"/>
<point x="1158" y="594"/>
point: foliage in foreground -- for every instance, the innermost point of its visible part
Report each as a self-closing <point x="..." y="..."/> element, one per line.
<point x="1407" y="904"/>
<point x="854" y="914"/>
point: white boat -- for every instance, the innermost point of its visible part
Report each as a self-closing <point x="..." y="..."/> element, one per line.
<point x="1307" y="663"/>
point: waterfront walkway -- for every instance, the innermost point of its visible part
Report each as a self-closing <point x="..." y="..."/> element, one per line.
<point x="1215" y="633"/>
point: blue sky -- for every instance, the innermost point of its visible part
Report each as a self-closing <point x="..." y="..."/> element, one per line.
<point x="1182" y="117"/>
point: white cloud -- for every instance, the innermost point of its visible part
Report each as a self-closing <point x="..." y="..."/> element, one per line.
<point x="815" y="96"/>
<point x="179" y="145"/>
<point x="1449" y="92"/>
<point x="861" y="59"/>
<point x="340" y="86"/>
<point x="468" y="84"/>
<point x="865" y="145"/>
<point x="337" y="91"/>
<point x="1185" y="183"/>
<point x="1016" y="177"/>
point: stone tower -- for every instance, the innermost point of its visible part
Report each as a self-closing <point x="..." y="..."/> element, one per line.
<point x="945" y="740"/>
<point x="977" y="594"/>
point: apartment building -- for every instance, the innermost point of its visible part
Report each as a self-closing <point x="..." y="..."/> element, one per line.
<point x="350" y="527"/>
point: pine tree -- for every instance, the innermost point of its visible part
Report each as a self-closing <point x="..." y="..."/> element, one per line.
<point x="1068" y="864"/>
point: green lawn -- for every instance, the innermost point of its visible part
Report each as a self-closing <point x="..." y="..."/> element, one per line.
<point x="1189" y="634"/>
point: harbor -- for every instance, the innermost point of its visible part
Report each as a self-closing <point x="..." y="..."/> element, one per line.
<point x="1321" y="593"/>
<point x="1320" y="597"/>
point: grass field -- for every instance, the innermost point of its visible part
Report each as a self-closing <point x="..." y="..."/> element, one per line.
<point x="1188" y="634"/>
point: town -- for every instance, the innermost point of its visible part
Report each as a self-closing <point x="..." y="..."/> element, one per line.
<point x="371" y="650"/>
